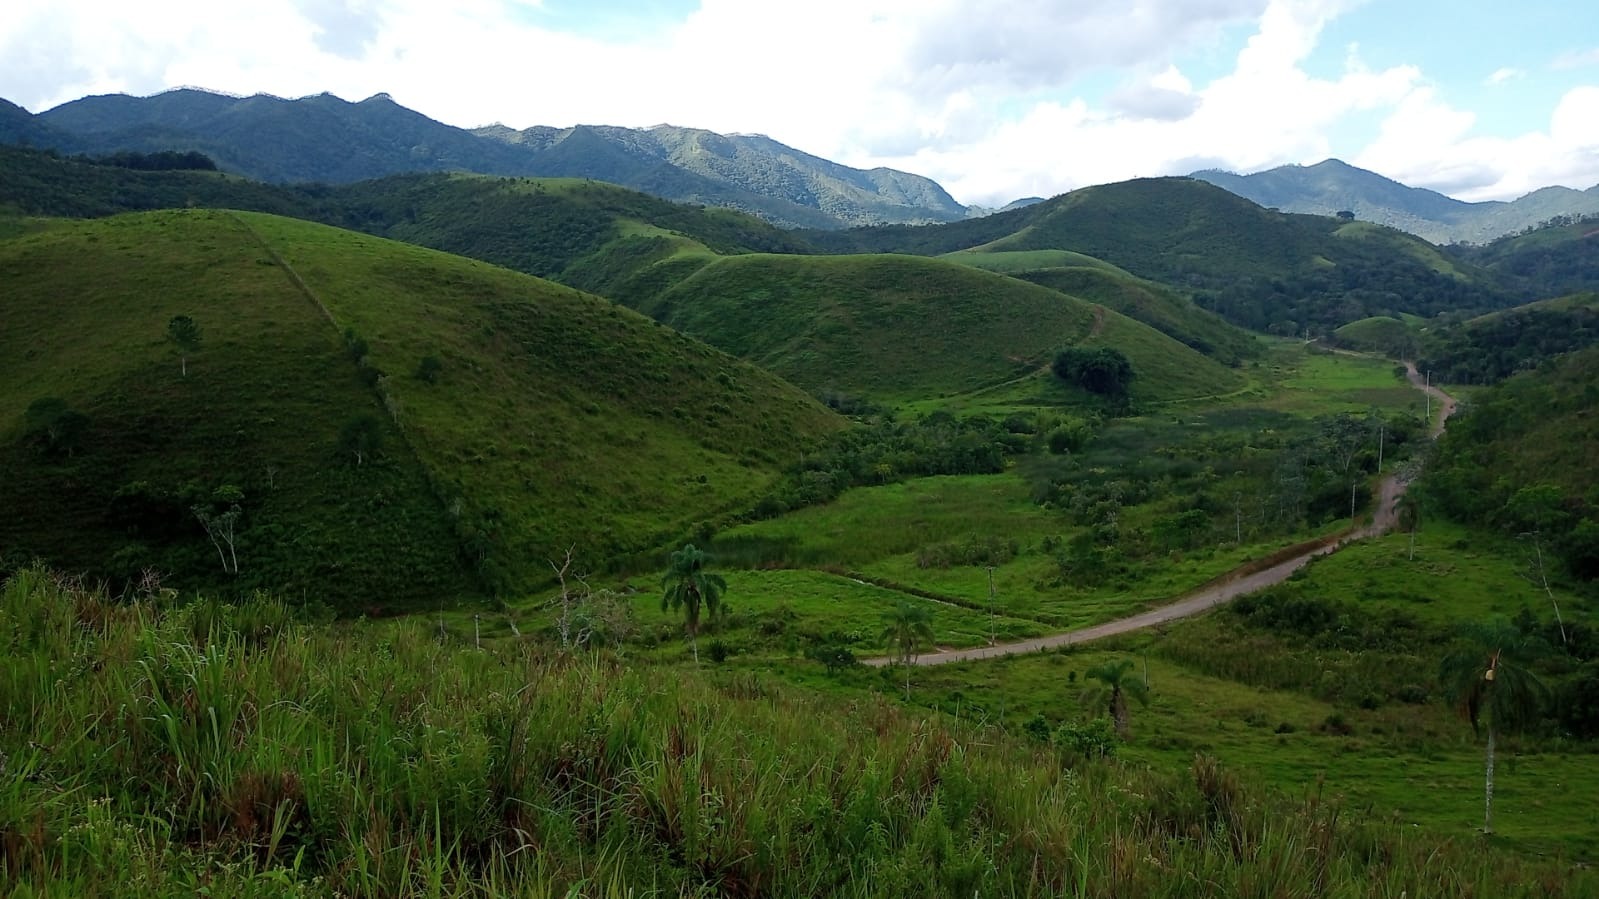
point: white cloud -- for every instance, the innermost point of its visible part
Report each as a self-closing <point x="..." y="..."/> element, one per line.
<point x="986" y="98"/>
<point x="1428" y="143"/>
<point x="1500" y="76"/>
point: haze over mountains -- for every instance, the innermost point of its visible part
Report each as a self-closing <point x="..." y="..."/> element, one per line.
<point x="323" y="138"/>
<point x="1333" y="186"/>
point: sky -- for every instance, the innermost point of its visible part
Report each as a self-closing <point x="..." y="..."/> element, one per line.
<point x="997" y="100"/>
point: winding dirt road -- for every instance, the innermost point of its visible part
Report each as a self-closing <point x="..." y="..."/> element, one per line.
<point x="1240" y="582"/>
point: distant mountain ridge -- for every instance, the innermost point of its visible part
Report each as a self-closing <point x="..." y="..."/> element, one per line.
<point x="1333" y="186"/>
<point x="323" y="138"/>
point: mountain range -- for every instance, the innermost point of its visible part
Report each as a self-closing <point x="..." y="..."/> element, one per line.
<point x="323" y="138"/>
<point x="1332" y="186"/>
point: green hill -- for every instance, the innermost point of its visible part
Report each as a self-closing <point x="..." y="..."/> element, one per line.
<point x="1557" y="259"/>
<point x="1520" y="459"/>
<point x="1098" y="281"/>
<point x="1256" y="267"/>
<point x="905" y="327"/>
<point x="1489" y="348"/>
<point x="1381" y="334"/>
<point x="551" y="418"/>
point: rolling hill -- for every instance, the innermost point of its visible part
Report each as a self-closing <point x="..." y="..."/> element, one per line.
<point x="1097" y="281"/>
<point x="895" y="327"/>
<point x="1264" y="270"/>
<point x="1333" y="186"/>
<point x="548" y="418"/>
<point x="323" y="138"/>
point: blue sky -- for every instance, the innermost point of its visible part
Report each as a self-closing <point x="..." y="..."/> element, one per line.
<point x="996" y="100"/>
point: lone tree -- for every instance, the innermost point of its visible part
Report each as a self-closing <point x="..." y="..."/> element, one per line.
<point x="1114" y="687"/>
<point x="183" y="332"/>
<point x="906" y="626"/>
<point x="361" y="436"/>
<point x="1102" y="370"/>
<point x="53" y="426"/>
<point x="1489" y="689"/>
<point x="688" y="586"/>
<point x="220" y="518"/>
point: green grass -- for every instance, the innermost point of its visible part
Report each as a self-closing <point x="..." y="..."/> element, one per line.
<point x="900" y="328"/>
<point x="231" y="751"/>
<point x="1303" y="380"/>
<point x="484" y="474"/>
<point x="1380" y="334"/>
<point x="1022" y="261"/>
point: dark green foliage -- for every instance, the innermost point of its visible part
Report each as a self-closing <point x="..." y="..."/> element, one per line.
<point x="835" y="658"/>
<point x="54" y="427"/>
<point x="159" y="161"/>
<point x="887" y="450"/>
<point x="1535" y="430"/>
<point x="429" y="369"/>
<point x="185" y="335"/>
<point x="1489" y="349"/>
<point x="361" y="437"/>
<point x="1095" y="739"/>
<point x="1555" y="259"/>
<point x="688" y="586"/>
<point x="1102" y="370"/>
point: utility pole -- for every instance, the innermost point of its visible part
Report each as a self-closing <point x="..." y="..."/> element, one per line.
<point x="1380" y="428"/>
<point x="991" y="622"/>
<point x="1428" y="391"/>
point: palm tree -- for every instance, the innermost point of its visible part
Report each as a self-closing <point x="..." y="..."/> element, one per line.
<point x="1115" y="686"/>
<point x="1490" y="690"/>
<point x="906" y="626"/>
<point x="687" y="585"/>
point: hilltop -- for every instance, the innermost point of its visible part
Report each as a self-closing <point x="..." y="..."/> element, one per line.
<point x="1263" y="270"/>
<point x="1334" y="186"/>
<point x="323" y="138"/>
<point x="368" y="475"/>
<point x="906" y="327"/>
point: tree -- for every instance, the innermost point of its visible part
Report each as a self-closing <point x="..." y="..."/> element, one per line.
<point x="1533" y="511"/>
<point x="905" y="627"/>
<point x="1114" y="687"/>
<point x="183" y="332"/>
<point x="361" y="436"/>
<point x="1483" y="678"/>
<point x="1102" y="370"/>
<point x="688" y="586"/>
<point x="54" y="426"/>
<point x="220" y="523"/>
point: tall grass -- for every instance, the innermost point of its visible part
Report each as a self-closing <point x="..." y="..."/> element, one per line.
<point x="152" y="750"/>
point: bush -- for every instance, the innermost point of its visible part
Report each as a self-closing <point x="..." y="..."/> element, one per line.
<point x="1093" y="740"/>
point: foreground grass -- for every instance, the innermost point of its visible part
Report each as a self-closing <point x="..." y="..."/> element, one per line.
<point x="158" y="751"/>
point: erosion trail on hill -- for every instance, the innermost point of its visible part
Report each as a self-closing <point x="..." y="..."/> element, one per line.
<point x="1242" y="581"/>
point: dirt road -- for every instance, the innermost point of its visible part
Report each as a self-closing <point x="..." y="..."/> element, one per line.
<point x="1241" y="582"/>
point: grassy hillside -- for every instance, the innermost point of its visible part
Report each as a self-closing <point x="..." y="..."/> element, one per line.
<point x="1097" y="281"/>
<point x="903" y="327"/>
<point x="264" y="758"/>
<point x="550" y="418"/>
<point x="1258" y="268"/>
<point x="1381" y="334"/>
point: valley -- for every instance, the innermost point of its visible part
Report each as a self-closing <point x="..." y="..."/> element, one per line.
<point x="1109" y="545"/>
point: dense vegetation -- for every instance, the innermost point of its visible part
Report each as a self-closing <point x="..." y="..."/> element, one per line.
<point x="153" y="750"/>
<point x="1493" y="347"/>
<point x="1520" y="460"/>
